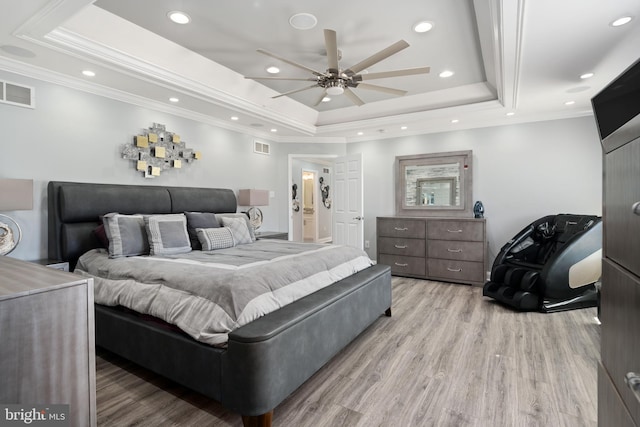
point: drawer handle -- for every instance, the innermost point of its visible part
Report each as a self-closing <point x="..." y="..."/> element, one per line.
<point x="401" y="265"/>
<point x="455" y="270"/>
<point x="400" y="246"/>
<point x="401" y="229"/>
<point x="454" y="250"/>
<point x="636" y="208"/>
<point x="454" y="231"/>
<point x="633" y="382"/>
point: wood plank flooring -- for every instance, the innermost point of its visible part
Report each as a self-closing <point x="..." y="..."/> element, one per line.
<point x="447" y="357"/>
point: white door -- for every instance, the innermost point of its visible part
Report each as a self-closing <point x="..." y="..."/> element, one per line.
<point x="348" y="224"/>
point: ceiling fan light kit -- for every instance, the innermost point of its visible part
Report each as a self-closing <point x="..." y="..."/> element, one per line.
<point x="337" y="81"/>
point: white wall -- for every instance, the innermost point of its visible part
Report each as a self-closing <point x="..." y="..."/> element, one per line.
<point x="520" y="172"/>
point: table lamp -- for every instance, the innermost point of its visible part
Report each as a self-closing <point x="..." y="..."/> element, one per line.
<point x="15" y="195"/>
<point x="253" y="198"/>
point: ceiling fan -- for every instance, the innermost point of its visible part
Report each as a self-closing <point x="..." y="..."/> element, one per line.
<point x="337" y="81"/>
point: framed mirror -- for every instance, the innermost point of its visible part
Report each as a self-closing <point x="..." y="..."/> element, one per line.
<point x="436" y="184"/>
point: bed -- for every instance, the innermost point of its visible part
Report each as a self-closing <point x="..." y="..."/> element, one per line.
<point x="261" y="362"/>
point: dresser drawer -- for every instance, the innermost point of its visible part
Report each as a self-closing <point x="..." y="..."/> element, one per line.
<point x="400" y="246"/>
<point x="456" y="271"/>
<point x="472" y="231"/>
<point x="620" y="336"/>
<point x="455" y="249"/>
<point x="404" y="265"/>
<point x="401" y="227"/>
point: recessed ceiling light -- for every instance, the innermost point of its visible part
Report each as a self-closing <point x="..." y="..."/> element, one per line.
<point x="174" y="99"/>
<point x="274" y="130"/>
<point x="89" y="73"/>
<point x="423" y="27"/>
<point x="586" y="76"/>
<point x="569" y="102"/>
<point x="621" y="21"/>
<point x="273" y="70"/>
<point x="510" y="113"/>
<point x="455" y="121"/>
<point x="179" y="17"/>
<point x="303" y="21"/>
<point x="446" y="74"/>
<point x="234" y="118"/>
<point x="326" y="99"/>
<point x="360" y="133"/>
<point x="403" y="127"/>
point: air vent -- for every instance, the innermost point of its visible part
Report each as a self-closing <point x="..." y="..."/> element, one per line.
<point x="261" y="147"/>
<point x="11" y="93"/>
<point x="326" y="170"/>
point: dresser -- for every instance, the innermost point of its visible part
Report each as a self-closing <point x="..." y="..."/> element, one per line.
<point x="617" y="109"/>
<point x="47" y="353"/>
<point x="444" y="249"/>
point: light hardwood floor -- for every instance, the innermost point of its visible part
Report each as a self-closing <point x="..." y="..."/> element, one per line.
<point x="447" y="357"/>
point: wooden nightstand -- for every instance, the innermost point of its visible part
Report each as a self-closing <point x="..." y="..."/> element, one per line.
<point x="53" y="263"/>
<point x="281" y="235"/>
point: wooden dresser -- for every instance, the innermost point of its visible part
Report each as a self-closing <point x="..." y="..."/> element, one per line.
<point x="47" y="353"/>
<point x="445" y="249"/>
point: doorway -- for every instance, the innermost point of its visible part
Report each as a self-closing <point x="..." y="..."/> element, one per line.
<point x="309" y="206"/>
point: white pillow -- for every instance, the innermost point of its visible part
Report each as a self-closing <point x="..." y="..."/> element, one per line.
<point x="239" y="229"/>
<point x="215" y="238"/>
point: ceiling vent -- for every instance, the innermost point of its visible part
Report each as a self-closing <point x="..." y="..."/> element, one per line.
<point x="15" y="94"/>
<point x="261" y="147"/>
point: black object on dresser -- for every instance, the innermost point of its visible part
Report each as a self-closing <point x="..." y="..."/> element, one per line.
<point x="444" y="249"/>
<point x="617" y="111"/>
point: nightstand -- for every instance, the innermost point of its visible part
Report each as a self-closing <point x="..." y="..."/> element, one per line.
<point x="53" y="263"/>
<point x="281" y="235"/>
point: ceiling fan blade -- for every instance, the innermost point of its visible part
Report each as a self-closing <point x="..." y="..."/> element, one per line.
<point x="382" y="89"/>
<point x="396" y="73"/>
<point x="377" y="57"/>
<point x="353" y="97"/>
<point x="331" y="45"/>
<point x="295" y="64"/>
<point x="324" y="93"/>
<point x="310" y="79"/>
<point x="294" y="91"/>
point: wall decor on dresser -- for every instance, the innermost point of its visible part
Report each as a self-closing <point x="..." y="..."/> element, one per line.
<point x="157" y="149"/>
<point x="617" y="112"/>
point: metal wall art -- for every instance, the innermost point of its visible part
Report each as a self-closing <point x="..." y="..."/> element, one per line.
<point x="295" y="203"/>
<point x="324" y="190"/>
<point x="157" y="150"/>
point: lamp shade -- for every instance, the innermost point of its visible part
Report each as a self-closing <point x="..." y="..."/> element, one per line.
<point x="16" y="194"/>
<point x="253" y="197"/>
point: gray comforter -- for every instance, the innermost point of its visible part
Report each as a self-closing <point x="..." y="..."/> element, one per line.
<point x="208" y="294"/>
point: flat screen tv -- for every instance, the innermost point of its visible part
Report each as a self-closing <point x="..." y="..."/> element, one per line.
<point x="618" y="103"/>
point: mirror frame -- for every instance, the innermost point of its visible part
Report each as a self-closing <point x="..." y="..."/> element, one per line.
<point x="463" y="158"/>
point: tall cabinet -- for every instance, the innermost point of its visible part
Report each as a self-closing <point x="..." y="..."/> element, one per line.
<point x="47" y="353"/>
<point x="616" y="109"/>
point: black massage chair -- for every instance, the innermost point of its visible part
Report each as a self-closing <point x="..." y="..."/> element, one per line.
<point x="553" y="264"/>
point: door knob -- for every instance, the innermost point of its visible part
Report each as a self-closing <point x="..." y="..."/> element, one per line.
<point x="359" y="218"/>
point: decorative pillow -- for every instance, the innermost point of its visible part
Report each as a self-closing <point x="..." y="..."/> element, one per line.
<point x="215" y="238"/>
<point x="239" y="229"/>
<point x="239" y="215"/>
<point x="197" y="220"/>
<point x="126" y="235"/>
<point x="167" y="234"/>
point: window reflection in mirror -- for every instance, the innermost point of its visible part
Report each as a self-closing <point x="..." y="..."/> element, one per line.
<point x="436" y="184"/>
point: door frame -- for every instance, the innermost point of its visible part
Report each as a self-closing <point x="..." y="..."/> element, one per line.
<point x="291" y="157"/>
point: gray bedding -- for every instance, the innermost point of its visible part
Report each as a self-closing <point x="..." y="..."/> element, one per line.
<point x="209" y="294"/>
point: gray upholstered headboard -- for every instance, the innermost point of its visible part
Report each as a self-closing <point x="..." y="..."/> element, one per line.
<point x="75" y="209"/>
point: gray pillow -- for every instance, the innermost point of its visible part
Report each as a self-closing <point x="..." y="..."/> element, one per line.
<point x="126" y="235"/>
<point x="215" y="238"/>
<point x="239" y="215"/>
<point x="167" y="234"/>
<point x="238" y="228"/>
<point x="197" y="220"/>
